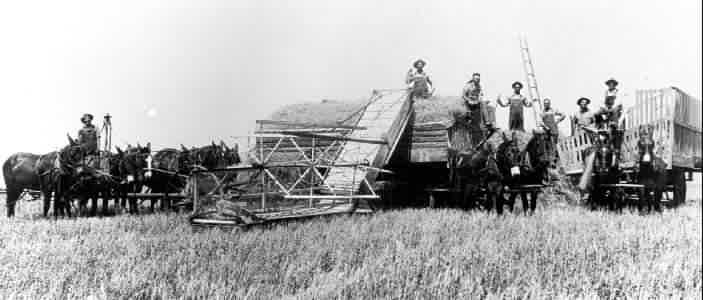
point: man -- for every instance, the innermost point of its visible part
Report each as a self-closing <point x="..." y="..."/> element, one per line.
<point x="516" y="102"/>
<point x="550" y="121"/>
<point x="612" y="92"/>
<point x="473" y="93"/>
<point x="477" y="116"/>
<point x="88" y="136"/>
<point x="608" y="117"/>
<point x="584" y="118"/>
<point x="418" y="81"/>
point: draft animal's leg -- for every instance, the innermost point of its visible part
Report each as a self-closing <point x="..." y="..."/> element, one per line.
<point x="533" y="202"/>
<point x="46" y="200"/>
<point x="512" y="199"/>
<point x="94" y="204"/>
<point x="13" y="194"/>
<point x="469" y="194"/>
<point x="496" y="196"/>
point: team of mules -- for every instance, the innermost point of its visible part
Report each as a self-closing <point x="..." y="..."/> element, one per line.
<point x="484" y="174"/>
<point x="69" y="176"/>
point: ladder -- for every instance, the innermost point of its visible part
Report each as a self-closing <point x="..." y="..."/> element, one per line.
<point x="531" y="79"/>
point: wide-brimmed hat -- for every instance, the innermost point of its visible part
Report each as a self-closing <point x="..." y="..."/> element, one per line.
<point x="86" y="116"/>
<point x="516" y="84"/>
<point x="611" y="81"/>
<point x="419" y="61"/>
<point x="582" y="99"/>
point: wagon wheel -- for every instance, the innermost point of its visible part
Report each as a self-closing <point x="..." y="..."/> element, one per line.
<point x="679" y="182"/>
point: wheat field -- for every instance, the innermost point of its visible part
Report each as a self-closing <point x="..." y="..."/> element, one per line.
<point x="563" y="251"/>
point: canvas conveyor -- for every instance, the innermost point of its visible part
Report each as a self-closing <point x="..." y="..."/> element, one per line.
<point x="362" y="153"/>
<point x="385" y="120"/>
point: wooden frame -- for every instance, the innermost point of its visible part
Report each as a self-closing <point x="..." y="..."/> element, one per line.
<point x="312" y="160"/>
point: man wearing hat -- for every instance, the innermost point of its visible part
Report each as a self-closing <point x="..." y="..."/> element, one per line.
<point x="418" y="81"/>
<point x="516" y="103"/>
<point x="584" y="118"/>
<point x="551" y="119"/>
<point x="88" y="136"/>
<point x="612" y="92"/>
<point x="550" y="122"/>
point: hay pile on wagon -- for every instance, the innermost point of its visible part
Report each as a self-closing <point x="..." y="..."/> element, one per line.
<point x="426" y="139"/>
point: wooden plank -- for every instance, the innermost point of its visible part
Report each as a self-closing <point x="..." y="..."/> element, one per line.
<point x="307" y="125"/>
<point x="330" y="197"/>
<point x="427" y="155"/>
<point x="314" y="130"/>
<point x="340" y="138"/>
<point x="154" y="195"/>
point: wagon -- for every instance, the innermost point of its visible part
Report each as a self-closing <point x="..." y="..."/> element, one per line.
<point x="675" y="118"/>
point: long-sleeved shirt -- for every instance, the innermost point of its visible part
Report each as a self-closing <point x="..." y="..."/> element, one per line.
<point x="88" y="139"/>
<point x="473" y="91"/>
<point x="550" y="119"/>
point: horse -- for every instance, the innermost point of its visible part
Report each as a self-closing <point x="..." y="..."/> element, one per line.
<point x="476" y="169"/>
<point x="27" y="171"/>
<point x="524" y="167"/>
<point x="651" y="172"/>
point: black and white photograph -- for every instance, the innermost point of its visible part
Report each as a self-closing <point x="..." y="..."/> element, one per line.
<point x="268" y="149"/>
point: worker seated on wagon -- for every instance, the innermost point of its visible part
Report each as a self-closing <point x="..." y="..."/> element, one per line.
<point x="418" y="81"/>
<point x="88" y="136"/>
<point x="88" y="140"/>
<point x="610" y="119"/>
<point x="473" y="91"/>
<point x="472" y="95"/>
<point x="477" y="116"/>
<point x="584" y="118"/>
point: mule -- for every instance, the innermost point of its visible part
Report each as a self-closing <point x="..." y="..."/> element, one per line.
<point x="601" y="167"/>
<point x="168" y="172"/>
<point x="475" y="172"/>
<point x="524" y="167"/>
<point x="651" y="172"/>
<point x="79" y="176"/>
<point x="27" y="171"/>
<point x="170" y="168"/>
<point x="127" y="168"/>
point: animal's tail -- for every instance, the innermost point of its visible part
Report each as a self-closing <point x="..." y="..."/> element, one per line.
<point x="585" y="181"/>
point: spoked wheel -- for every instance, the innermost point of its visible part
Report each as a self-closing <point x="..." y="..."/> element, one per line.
<point x="675" y="192"/>
<point x="679" y="183"/>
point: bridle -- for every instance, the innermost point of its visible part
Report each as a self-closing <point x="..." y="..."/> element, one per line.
<point x="646" y="145"/>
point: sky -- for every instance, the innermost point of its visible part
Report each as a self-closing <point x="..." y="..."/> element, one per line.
<point x="188" y="72"/>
